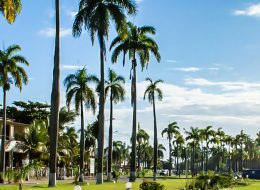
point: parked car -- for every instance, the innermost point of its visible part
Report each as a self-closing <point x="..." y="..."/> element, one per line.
<point x="164" y="173"/>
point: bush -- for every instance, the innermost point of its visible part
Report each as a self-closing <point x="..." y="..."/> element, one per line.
<point x="151" y="186"/>
<point x="213" y="181"/>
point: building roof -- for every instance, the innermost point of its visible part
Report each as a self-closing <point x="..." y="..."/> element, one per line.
<point x="12" y="122"/>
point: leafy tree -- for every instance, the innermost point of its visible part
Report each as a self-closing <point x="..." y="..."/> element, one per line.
<point x="151" y="91"/>
<point x="96" y="17"/>
<point x="135" y="42"/>
<point x="10" y="72"/>
<point x="170" y="131"/>
<point x="77" y="88"/>
<point x="114" y="87"/>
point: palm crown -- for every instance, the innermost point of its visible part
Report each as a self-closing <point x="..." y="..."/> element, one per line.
<point x="115" y="85"/>
<point x="10" y="9"/>
<point x="10" y="71"/>
<point x="95" y="16"/>
<point x="152" y="89"/>
<point x="78" y="87"/>
<point x="136" y="40"/>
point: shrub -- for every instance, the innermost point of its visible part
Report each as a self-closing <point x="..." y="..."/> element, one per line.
<point x="151" y="186"/>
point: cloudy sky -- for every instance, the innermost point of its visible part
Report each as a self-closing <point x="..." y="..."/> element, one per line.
<point x="210" y="61"/>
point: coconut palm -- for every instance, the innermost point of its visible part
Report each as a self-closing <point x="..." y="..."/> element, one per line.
<point x="77" y="88"/>
<point x="114" y="87"/>
<point x="151" y="91"/>
<point x="135" y="42"/>
<point x="55" y="101"/>
<point x="206" y="134"/>
<point x="241" y="139"/>
<point x="141" y="137"/>
<point x="10" y="72"/>
<point x="10" y="9"/>
<point x="96" y="17"/>
<point x="171" y="130"/>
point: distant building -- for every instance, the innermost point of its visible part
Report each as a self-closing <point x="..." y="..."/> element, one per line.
<point x="14" y="155"/>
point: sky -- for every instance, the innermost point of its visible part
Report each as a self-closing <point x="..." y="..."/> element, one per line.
<point x="210" y="62"/>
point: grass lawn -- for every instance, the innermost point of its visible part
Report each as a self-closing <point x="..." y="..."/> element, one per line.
<point x="169" y="185"/>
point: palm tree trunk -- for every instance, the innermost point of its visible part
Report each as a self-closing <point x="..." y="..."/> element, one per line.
<point x="101" y="117"/>
<point x="55" y="102"/>
<point x="138" y="158"/>
<point x="133" y="153"/>
<point x="229" y="160"/>
<point x="178" y="169"/>
<point x="82" y="144"/>
<point x="207" y="155"/>
<point x="2" y="163"/>
<point x="109" y="169"/>
<point x="241" y="158"/>
<point x="155" y="154"/>
<point x="170" y="157"/>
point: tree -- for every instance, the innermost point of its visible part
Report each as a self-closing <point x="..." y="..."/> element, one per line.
<point x="161" y="149"/>
<point x="141" y="138"/>
<point x="135" y="42"/>
<point x="206" y="134"/>
<point x="96" y="17"/>
<point x="55" y="101"/>
<point x="10" y="9"/>
<point x="115" y="87"/>
<point x="151" y="91"/>
<point x="77" y="88"/>
<point x="171" y="130"/>
<point x="10" y="72"/>
<point x="194" y="136"/>
<point x="179" y="140"/>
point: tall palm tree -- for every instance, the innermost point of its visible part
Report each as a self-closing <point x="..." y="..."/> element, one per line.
<point x="151" y="91"/>
<point x="77" y="88"/>
<point x="55" y="101"/>
<point x="241" y="139"/>
<point x="96" y="17"/>
<point x="141" y="137"/>
<point x="10" y="72"/>
<point x="194" y="137"/>
<point x="171" y="130"/>
<point x="10" y="9"/>
<point x="207" y="133"/>
<point x="115" y="87"/>
<point x="135" y="42"/>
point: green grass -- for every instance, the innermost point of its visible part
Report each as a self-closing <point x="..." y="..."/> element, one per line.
<point x="169" y="185"/>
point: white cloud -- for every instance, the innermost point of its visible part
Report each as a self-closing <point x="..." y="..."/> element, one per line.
<point x="253" y="11"/>
<point x="72" y="67"/>
<point x="50" y="32"/>
<point x="213" y="68"/>
<point x="226" y="86"/>
<point x="187" y="69"/>
<point x="171" y="61"/>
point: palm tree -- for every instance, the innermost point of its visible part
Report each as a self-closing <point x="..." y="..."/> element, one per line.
<point x="207" y="133"/>
<point x="55" y="101"/>
<point x="10" y="71"/>
<point x="10" y="9"/>
<point x="77" y="88"/>
<point x="141" y="137"/>
<point x="114" y="86"/>
<point x="135" y="42"/>
<point x="172" y="129"/>
<point x="241" y="139"/>
<point x="95" y="16"/>
<point x="194" y="136"/>
<point x="179" y="140"/>
<point x="161" y="149"/>
<point x="151" y="91"/>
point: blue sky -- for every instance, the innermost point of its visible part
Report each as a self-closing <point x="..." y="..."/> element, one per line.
<point x="210" y="61"/>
